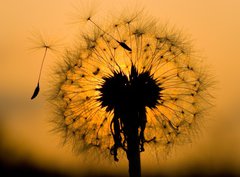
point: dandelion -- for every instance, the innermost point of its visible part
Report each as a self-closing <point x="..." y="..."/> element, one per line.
<point x="131" y="84"/>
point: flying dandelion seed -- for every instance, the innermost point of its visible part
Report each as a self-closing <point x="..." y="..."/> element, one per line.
<point x="135" y="83"/>
<point x="42" y="43"/>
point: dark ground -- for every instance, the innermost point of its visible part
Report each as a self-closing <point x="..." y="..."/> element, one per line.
<point x="26" y="169"/>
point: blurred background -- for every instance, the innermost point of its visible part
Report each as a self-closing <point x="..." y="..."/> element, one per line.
<point x="28" y="147"/>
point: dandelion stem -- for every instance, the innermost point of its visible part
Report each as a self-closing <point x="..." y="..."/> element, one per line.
<point x="133" y="153"/>
<point x="131" y="124"/>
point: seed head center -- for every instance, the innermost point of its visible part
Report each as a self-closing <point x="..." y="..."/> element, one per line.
<point x="129" y="93"/>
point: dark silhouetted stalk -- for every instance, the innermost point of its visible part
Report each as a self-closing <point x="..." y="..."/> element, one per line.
<point x="133" y="153"/>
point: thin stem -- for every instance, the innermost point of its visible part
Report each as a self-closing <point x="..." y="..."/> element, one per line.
<point x="131" y="125"/>
<point x="102" y="30"/>
<point x="133" y="153"/>
<point x="122" y="44"/>
<point x="44" y="56"/>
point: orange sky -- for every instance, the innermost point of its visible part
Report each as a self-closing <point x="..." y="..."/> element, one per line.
<point x="214" y="27"/>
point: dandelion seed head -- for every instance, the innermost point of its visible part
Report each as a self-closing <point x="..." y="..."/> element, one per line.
<point x="100" y="82"/>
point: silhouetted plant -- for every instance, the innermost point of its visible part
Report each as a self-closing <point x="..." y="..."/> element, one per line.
<point x="131" y="84"/>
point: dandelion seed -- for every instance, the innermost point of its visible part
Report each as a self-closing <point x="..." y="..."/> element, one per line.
<point x="122" y="44"/>
<point x="37" y="89"/>
<point x="118" y="99"/>
<point x="41" y="43"/>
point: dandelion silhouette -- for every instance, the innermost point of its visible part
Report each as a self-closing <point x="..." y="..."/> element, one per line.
<point x="133" y="84"/>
